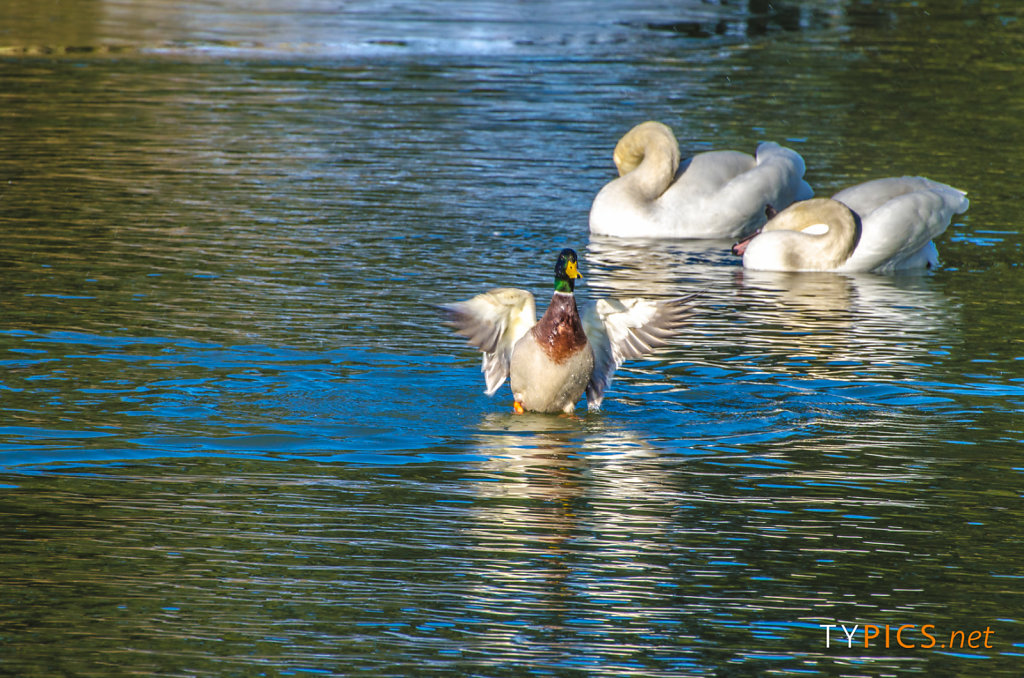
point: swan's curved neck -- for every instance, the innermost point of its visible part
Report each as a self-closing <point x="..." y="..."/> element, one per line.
<point x="648" y="157"/>
<point x="826" y="233"/>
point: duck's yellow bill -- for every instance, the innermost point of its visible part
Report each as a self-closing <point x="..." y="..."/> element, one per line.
<point x="572" y="270"/>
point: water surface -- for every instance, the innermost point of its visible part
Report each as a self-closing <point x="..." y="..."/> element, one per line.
<point x="234" y="439"/>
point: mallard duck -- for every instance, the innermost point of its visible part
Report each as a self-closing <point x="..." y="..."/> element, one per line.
<point x="718" y="194"/>
<point x="880" y="226"/>
<point x="553" y="361"/>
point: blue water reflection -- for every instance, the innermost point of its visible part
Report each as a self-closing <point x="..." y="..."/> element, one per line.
<point x="235" y="439"/>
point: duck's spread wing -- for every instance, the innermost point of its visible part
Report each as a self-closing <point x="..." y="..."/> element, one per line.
<point x="493" y="322"/>
<point x="625" y="329"/>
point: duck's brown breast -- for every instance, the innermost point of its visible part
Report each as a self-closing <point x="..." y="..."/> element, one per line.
<point x="559" y="332"/>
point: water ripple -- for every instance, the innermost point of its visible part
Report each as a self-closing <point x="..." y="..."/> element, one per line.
<point x="235" y="439"/>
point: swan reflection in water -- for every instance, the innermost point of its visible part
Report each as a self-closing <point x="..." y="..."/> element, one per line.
<point x="871" y="322"/>
<point x="831" y="320"/>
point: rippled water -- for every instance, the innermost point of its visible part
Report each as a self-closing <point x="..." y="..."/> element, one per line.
<point x="234" y="439"/>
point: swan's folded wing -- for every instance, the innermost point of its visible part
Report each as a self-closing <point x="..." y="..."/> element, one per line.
<point x="625" y="329"/>
<point x="782" y="170"/>
<point x="493" y="322"/>
<point x="915" y="210"/>
<point x="867" y="197"/>
<point x="706" y="173"/>
<point x="775" y="178"/>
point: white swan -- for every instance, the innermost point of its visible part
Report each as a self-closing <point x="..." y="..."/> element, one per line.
<point x="719" y="194"/>
<point x="880" y="226"/>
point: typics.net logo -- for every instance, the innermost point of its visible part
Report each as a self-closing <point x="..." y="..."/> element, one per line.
<point x="906" y="636"/>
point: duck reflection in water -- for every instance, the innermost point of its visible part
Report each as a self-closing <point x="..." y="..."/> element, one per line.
<point x="561" y="520"/>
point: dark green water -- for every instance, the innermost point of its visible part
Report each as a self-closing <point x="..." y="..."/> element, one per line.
<point x="234" y="439"/>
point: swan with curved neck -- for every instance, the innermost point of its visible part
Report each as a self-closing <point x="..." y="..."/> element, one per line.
<point x="712" y="195"/>
<point x="880" y="226"/>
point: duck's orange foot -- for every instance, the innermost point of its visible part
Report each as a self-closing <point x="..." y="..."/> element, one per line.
<point x="518" y="407"/>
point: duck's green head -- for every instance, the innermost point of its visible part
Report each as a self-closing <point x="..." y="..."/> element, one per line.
<point x="566" y="271"/>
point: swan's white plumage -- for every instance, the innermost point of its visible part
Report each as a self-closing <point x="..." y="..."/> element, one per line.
<point x="900" y="217"/>
<point x="816" y="229"/>
<point x="718" y="194"/>
<point x="896" y="220"/>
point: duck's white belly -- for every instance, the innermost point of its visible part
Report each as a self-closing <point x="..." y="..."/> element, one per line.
<point x="542" y="385"/>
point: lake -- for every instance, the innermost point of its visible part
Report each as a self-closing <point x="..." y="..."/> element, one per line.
<point x="235" y="439"/>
